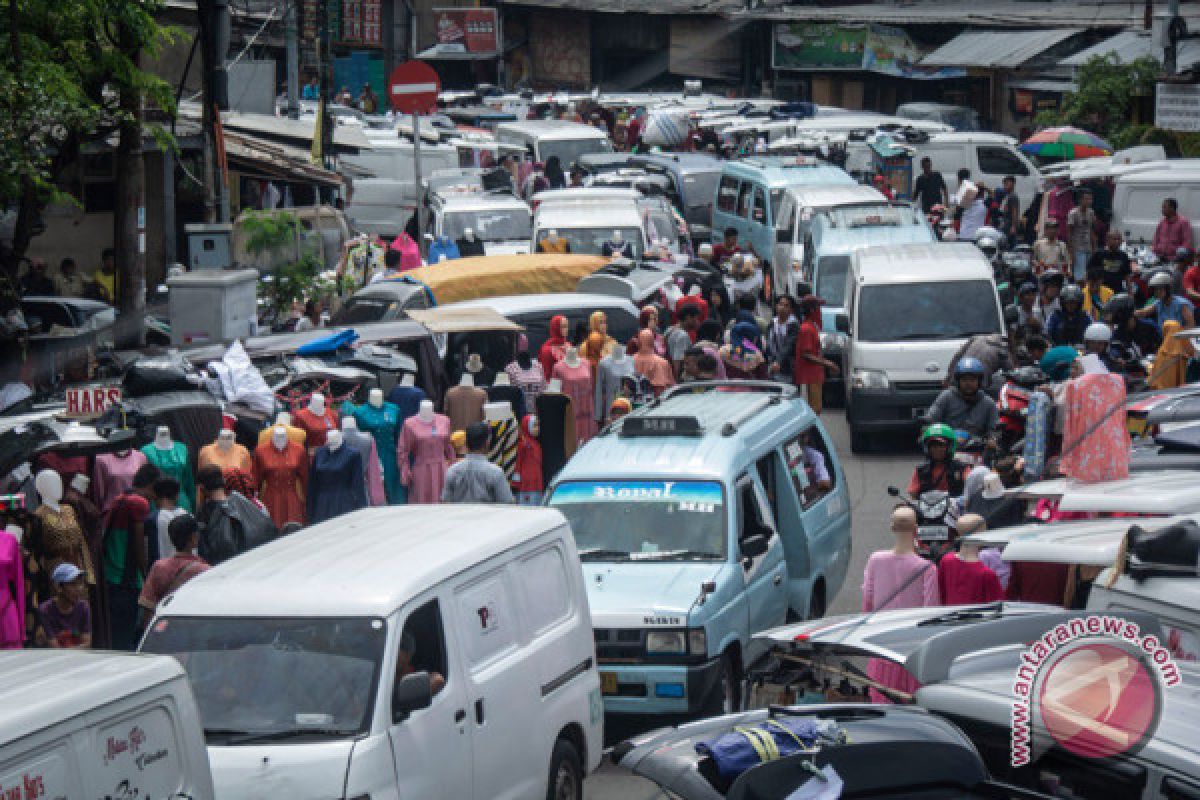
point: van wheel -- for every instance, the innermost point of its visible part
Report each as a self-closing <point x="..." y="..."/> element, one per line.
<point x="566" y="773"/>
<point x="859" y="442"/>
<point x="726" y="696"/>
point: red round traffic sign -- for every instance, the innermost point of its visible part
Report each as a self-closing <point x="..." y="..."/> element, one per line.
<point x="413" y="88"/>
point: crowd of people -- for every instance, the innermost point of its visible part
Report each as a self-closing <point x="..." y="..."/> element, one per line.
<point x="36" y="279"/>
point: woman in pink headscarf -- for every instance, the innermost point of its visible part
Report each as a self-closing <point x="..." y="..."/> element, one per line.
<point x="652" y="366"/>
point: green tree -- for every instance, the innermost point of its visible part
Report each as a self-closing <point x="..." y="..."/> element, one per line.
<point x="1105" y="95"/>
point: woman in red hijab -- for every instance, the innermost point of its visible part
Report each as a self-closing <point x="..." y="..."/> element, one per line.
<point x="555" y="347"/>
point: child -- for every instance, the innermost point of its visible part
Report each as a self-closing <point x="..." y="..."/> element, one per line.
<point x="168" y="574"/>
<point x="166" y="499"/>
<point x="66" y="618"/>
<point x="962" y="577"/>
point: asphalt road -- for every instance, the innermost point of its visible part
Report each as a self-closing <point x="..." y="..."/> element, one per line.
<point x="867" y="478"/>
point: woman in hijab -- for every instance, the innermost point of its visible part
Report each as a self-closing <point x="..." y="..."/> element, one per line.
<point x="1170" y="363"/>
<point x="555" y="348"/>
<point x="554" y="173"/>
<point x="652" y="366"/>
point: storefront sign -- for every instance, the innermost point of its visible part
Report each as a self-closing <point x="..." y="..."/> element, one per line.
<point x="1177" y="107"/>
<point x="838" y="46"/>
<point x="91" y="401"/>
<point x="1026" y="102"/>
<point x="466" y="30"/>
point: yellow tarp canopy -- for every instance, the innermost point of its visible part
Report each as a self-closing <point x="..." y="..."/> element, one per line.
<point x="496" y="276"/>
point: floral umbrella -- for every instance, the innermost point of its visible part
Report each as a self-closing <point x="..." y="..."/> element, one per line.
<point x="1066" y="144"/>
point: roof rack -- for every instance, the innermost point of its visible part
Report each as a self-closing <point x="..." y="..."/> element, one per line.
<point x="776" y="394"/>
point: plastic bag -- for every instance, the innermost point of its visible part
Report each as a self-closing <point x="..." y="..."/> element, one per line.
<point x="232" y="527"/>
<point x="239" y="381"/>
<point x="168" y="373"/>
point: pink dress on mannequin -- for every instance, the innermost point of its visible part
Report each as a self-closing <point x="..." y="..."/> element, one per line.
<point x="424" y="453"/>
<point x="12" y="593"/>
<point x="577" y="384"/>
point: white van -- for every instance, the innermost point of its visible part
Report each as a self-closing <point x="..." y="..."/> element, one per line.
<point x="588" y="218"/>
<point x="543" y="138"/>
<point x="84" y="724"/>
<point x="1138" y="196"/>
<point x="297" y="654"/>
<point x="382" y="201"/>
<point x="911" y="306"/>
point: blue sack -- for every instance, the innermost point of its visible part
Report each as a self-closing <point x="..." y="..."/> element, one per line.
<point x="328" y="344"/>
<point x="748" y="746"/>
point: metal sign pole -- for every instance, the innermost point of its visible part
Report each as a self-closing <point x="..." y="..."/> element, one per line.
<point x="417" y="189"/>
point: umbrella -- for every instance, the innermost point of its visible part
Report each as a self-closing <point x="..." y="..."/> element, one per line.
<point x="1066" y="144"/>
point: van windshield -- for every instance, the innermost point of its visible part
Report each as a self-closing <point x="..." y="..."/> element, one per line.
<point x="645" y="520"/>
<point x="569" y="150"/>
<point x="276" y="678"/>
<point x="590" y="241"/>
<point x="831" y="279"/>
<point x="935" y="310"/>
<point x="496" y="225"/>
<point x="358" y="310"/>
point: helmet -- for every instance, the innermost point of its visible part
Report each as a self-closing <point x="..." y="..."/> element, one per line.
<point x="1027" y="377"/>
<point x="1120" y="305"/>
<point x="1071" y="294"/>
<point x="1026" y="288"/>
<point x="1012" y="316"/>
<point x="969" y="366"/>
<point x="988" y="245"/>
<point x="1160" y="278"/>
<point x="939" y="431"/>
<point x="1097" y="332"/>
<point x="1051" y="276"/>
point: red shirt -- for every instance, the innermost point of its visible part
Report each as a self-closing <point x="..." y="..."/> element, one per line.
<point x="808" y="342"/>
<point x="1037" y="582"/>
<point x="168" y="574"/>
<point x="1191" y="280"/>
<point x="721" y="252"/>
<point x="961" y="582"/>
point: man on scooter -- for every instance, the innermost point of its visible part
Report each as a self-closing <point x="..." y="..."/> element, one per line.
<point x="939" y="471"/>
<point x="964" y="406"/>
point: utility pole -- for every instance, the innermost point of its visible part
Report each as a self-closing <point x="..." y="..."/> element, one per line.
<point x="292" y="35"/>
<point x="129" y="216"/>
<point x="213" y="18"/>
<point x="1170" y="57"/>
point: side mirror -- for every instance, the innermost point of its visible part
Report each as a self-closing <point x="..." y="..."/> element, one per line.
<point x="842" y="323"/>
<point x="412" y="693"/>
<point x="754" y="546"/>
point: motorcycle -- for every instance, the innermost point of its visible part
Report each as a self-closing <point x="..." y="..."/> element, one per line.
<point x="936" y="520"/>
<point x="1012" y="404"/>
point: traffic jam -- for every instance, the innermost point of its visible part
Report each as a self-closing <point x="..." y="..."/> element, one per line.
<point x="643" y="445"/>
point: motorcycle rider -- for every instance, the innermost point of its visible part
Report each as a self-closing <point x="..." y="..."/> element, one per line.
<point x="1027" y="295"/>
<point x="991" y="349"/>
<point x="965" y="406"/>
<point x="1096" y="340"/>
<point x="1067" y="324"/>
<point x="1050" y="285"/>
<point x="939" y="470"/>
<point x="1133" y="338"/>
<point x="1166" y="306"/>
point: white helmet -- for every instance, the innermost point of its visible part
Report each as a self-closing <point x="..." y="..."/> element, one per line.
<point x="1097" y="332"/>
<point x="1160" y="278"/>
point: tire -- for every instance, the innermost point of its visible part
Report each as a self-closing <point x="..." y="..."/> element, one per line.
<point x="566" y="773"/>
<point x="859" y="442"/>
<point x="726" y="697"/>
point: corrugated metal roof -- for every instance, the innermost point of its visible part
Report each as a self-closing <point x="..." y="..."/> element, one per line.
<point x="638" y="6"/>
<point x="995" y="13"/>
<point x="1127" y="46"/>
<point x="996" y="48"/>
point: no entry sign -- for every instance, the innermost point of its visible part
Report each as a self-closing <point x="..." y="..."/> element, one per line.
<point x="413" y="88"/>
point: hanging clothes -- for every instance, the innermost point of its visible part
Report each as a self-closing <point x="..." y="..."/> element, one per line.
<point x="609" y="373"/>
<point x="63" y="541"/>
<point x="1095" y="443"/>
<point x="407" y="399"/>
<point x="464" y="405"/>
<point x="443" y="249"/>
<point x="503" y="450"/>
<point x="383" y="424"/>
<point x="507" y="393"/>
<point x="316" y="429"/>
<point x="530" y="380"/>
<point x="335" y="484"/>
<point x="112" y="475"/>
<point x="213" y="455"/>
<point x="527" y="480"/>
<point x="372" y="468"/>
<point x="577" y="384"/>
<point x="294" y="434"/>
<point x="556" y="420"/>
<point x="555" y="348"/>
<point x="1171" y="360"/>
<point x="282" y="481"/>
<point x="425" y="453"/>
<point x="410" y="254"/>
<point x="12" y="593"/>
<point x="175" y="463"/>
<point x="89" y="517"/>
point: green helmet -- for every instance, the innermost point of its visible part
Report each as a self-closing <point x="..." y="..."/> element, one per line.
<point x="939" y="430"/>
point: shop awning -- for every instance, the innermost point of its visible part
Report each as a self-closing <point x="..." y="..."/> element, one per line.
<point x="1129" y="46"/>
<point x="1043" y="86"/>
<point x="462" y="320"/>
<point x="272" y="161"/>
<point x="996" y="49"/>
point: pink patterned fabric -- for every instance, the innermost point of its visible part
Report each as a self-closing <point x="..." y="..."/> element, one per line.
<point x="12" y="593"/>
<point x="375" y="490"/>
<point x="892" y="581"/>
<point x="577" y="384"/>
<point x="112" y="475"/>
<point x="428" y="445"/>
<point x="1095" y="445"/>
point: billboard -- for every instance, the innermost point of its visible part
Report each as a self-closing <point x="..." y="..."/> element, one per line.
<point x="466" y="30"/>
<point x="827" y="46"/>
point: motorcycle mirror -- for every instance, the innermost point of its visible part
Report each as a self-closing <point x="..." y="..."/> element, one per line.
<point x="893" y="491"/>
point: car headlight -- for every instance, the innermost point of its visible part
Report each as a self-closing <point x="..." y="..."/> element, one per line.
<point x="697" y="642"/>
<point x="666" y="642"/>
<point x="870" y="379"/>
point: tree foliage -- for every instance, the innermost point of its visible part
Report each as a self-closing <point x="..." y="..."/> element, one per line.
<point x="1105" y="95"/>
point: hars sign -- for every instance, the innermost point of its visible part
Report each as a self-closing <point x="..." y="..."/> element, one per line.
<point x="91" y="401"/>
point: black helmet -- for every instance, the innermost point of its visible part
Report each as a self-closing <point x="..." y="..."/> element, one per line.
<point x="1071" y="294"/>
<point x="1012" y="316"/>
<point x="1120" y="306"/>
<point x="1027" y="377"/>
<point x="1051" y="276"/>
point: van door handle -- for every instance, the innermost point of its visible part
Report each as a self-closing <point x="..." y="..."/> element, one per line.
<point x="778" y="579"/>
<point x="460" y="715"/>
<point x="479" y="711"/>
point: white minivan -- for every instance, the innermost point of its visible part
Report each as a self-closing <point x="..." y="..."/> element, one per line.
<point x="544" y="138"/>
<point x="911" y="306"/>
<point x="397" y="652"/>
<point x="588" y="219"/>
<point x="1138" y="196"/>
<point x="84" y="724"/>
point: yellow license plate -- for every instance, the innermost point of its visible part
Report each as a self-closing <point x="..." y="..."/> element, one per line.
<point x="608" y="683"/>
<point x="1135" y="425"/>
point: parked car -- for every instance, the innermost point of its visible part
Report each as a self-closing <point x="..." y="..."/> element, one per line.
<point x="590" y="218"/>
<point x="694" y="179"/>
<point x="1137" y="198"/>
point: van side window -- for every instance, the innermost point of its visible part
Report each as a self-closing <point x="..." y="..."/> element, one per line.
<point x="727" y="193"/>
<point x="999" y="161"/>
<point x="784" y="222"/>
<point x="544" y="588"/>
<point x="486" y="619"/>
<point x="760" y="206"/>
<point x="753" y="518"/>
<point x="423" y="631"/>
<point x="807" y="458"/>
<point x="744" y="197"/>
<point x="766" y="474"/>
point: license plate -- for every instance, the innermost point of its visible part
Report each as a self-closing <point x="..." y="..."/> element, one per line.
<point x="917" y="413"/>
<point x="608" y="683"/>
<point x="933" y="533"/>
<point x="1136" y="425"/>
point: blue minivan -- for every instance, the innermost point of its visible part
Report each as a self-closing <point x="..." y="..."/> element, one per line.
<point x="750" y="191"/>
<point x="715" y="512"/>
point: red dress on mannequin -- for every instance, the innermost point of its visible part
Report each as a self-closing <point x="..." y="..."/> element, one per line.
<point x="282" y="478"/>
<point x="315" y="428"/>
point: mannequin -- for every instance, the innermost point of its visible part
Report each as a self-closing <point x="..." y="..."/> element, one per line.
<point x="62" y="538"/>
<point x="609" y="373"/>
<point x="553" y="243"/>
<point x="172" y="459"/>
<point x="294" y="433"/>
<point x="225" y="453"/>
<point x="556" y="418"/>
<point x="335" y="484"/>
<point x="408" y="379"/>
<point x="112" y="474"/>
<point x="554" y="347"/>
<point x="479" y="371"/>
<point x="527" y="480"/>
<point x="382" y="421"/>
<point x="527" y="375"/>
<point x="281" y="470"/>
<point x="66" y="466"/>
<point x="442" y="249"/>
<point x="425" y="453"/>
<point x="575" y="377"/>
<point x="316" y="420"/>
<point x="406" y="396"/>
<point x="502" y="391"/>
<point x="372" y="468"/>
<point x="464" y="403"/>
<point x="12" y="583"/>
<point x="617" y="246"/>
<point x="503" y="450"/>
<point x="470" y="244"/>
<point x="555" y="385"/>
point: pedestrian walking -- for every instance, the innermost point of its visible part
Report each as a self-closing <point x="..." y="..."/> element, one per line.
<point x="808" y="369"/>
<point x="475" y="479"/>
<point x="930" y="187"/>
<point x="1081" y="234"/>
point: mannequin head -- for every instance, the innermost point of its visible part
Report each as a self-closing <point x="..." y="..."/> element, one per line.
<point x="559" y="327"/>
<point x="334" y="440"/>
<point x="408" y="379"/>
<point x="554" y="385"/>
<point x="225" y="440"/>
<point x="425" y="412"/>
<point x="162" y="438"/>
<point x="375" y="398"/>
<point x="80" y="483"/>
<point x="279" y="438"/>
<point x="497" y="412"/>
<point x="283" y="418"/>
<point x="469" y="234"/>
<point x="466" y="379"/>
<point x="618" y="352"/>
<point x="49" y="487"/>
<point x="349" y="423"/>
<point x="618" y="237"/>
<point x="15" y="531"/>
<point x="501" y="379"/>
<point x="598" y="322"/>
<point x="316" y="404"/>
<point x="571" y="357"/>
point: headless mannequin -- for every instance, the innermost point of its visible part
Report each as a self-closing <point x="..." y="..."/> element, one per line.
<point x="609" y="373"/>
<point x="463" y="404"/>
<point x="316" y="404"/>
<point x="225" y="441"/>
<point x="408" y="379"/>
<point x="162" y="438"/>
<point x="226" y="454"/>
<point x="469" y="234"/>
<point x="618" y="352"/>
<point x="470" y="244"/>
<point x="501" y="379"/>
<point x="426" y="414"/>
<point x="173" y="460"/>
<point x="281" y="470"/>
<point x="467" y="379"/>
<point x="572" y="357"/>
<point x="317" y="419"/>
<point x="383" y="421"/>
<point x="425" y="453"/>
<point x="335" y="481"/>
<point x="279" y="438"/>
<point x="334" y="440"/>
<point x="555" y="385"/>
<point x="350" y="424"/>
<point x="375" y="398"/>
<point x="577" y="381"/>
<point x="372" y="467"/>
<point x="80" y="483"/>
